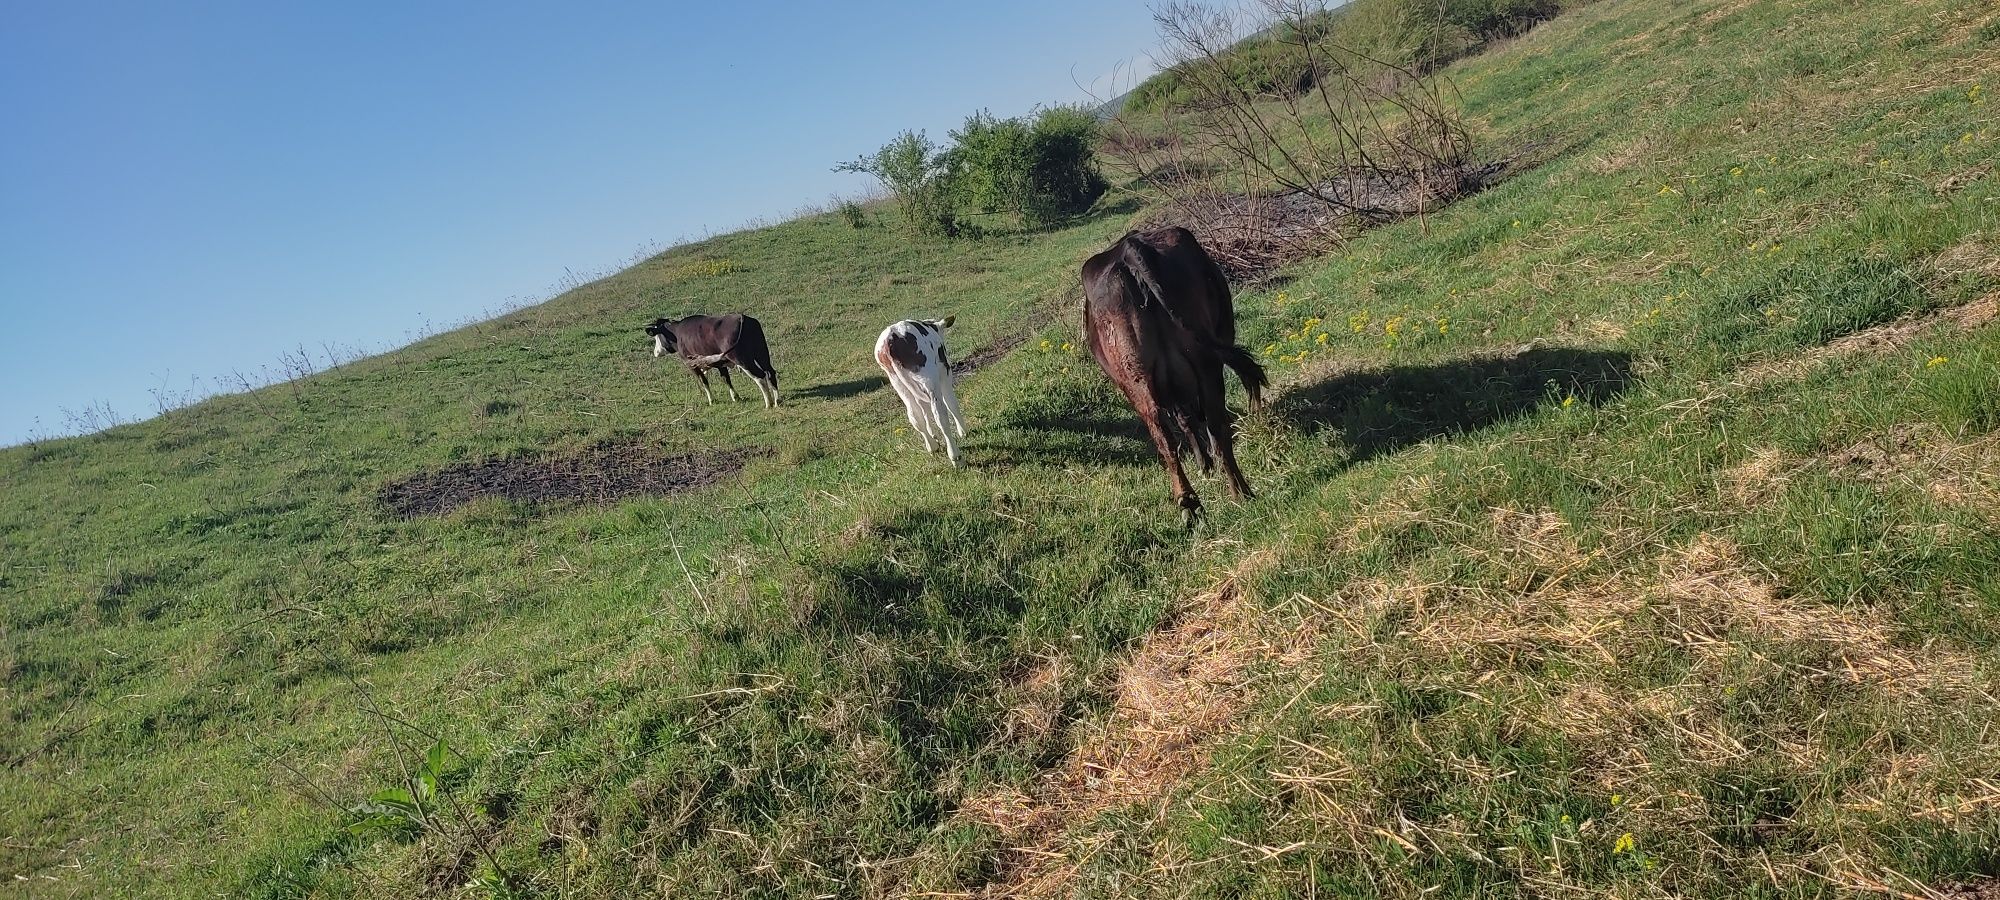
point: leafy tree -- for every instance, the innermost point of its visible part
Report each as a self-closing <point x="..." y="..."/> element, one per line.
<point x="914" y="173"/>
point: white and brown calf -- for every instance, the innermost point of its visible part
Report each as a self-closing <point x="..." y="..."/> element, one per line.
<point x="912" y="353"/>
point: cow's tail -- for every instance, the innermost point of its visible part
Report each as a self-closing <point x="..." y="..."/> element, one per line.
<point x="1247" y="369"/>
<point x="1143" y="262"/>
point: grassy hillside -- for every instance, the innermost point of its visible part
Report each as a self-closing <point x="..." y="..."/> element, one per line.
<point x="1628" y="528"/>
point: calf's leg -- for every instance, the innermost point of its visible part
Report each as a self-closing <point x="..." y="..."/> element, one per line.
<point x="913" y="404"/>
<point x="950" y="391"/>
<point x="704" y="385"/>
<point x="935" y="394"/>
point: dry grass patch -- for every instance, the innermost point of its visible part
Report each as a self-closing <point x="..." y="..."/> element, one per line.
<point x="1714" y="591"/>
<point x="1923" y="458"/>
<point x="1182" y="689"/>
<point x="1759" y="479"/>
<point x="1878" y="340"/>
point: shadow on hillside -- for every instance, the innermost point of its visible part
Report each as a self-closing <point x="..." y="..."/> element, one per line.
<point x="841" y="390"/>
<point x="1094" y="436"/>
<point x="1381" y="411"/>
<point x="1123" y="206"/>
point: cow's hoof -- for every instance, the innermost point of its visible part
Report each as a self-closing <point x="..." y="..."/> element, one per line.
<point x="1191" y="513"/>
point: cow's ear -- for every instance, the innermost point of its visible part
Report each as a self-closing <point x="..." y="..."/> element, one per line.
<point x="946" y="322"/>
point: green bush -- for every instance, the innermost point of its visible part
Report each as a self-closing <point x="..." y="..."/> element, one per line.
<point x="1042" y="169"/>
<point x="1422" y="34"/>
<point x="912" y="169"/>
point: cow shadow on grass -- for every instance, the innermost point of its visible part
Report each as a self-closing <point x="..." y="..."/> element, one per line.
<point x="841" y="390"/>
<point x="1378" y="411"/>
<point x="1094" y="434"/>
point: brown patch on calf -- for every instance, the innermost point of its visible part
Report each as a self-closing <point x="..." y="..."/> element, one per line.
<point x="903" y="349"/>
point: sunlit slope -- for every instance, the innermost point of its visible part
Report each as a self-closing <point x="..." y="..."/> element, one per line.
<point x="1628" y="528"/>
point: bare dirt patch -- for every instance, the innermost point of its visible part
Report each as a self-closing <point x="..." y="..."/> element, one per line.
<point x="1003" y="339"/>
<point x="605" y="473"/>
<point x="1251" y="236"/>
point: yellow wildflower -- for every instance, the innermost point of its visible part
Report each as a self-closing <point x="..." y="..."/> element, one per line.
<point x="1567" y="403"/>
<point x="1973" y="95"/>
<point x="1761" y="191"/>
<point x="1270" y="349"/>
<point x="1322" y="338"/>
<point x="1045" y="346"/>
<point x="1066" y="347"/>
<point x="1626" y="843"/>
<point x="1517" y="223"/>
<point x="1617" y="799"/>
<point x="1667" y="189"/>
<point x="1736" y="172"/>
<point x="1937" y="361"/>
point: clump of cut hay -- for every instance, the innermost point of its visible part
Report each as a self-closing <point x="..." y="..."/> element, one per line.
<point x="1924" y="458"/>
<point x="1877" y="340"/>
<point x="1759" y="479"/>
<point x="1181" y="689"/>
<point x="1715" y="589"/>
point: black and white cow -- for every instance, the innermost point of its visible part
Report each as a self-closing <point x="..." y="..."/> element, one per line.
<point x="912" y="353"/>
<point x="717" y="342"/>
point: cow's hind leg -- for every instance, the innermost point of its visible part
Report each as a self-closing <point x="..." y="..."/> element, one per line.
<point x="1195" y="431"/>
<point x="1220" y="436"/>
<point x="1184" y="495"/>
<point x="731" y="385"/>
<point x="769" y="379"/>
<point x="759" y="375"/>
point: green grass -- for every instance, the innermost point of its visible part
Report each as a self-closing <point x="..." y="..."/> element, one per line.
<point x="1636" y="561"/>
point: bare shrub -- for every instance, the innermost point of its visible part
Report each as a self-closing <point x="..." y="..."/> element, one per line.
<point x="1263" y="177"/>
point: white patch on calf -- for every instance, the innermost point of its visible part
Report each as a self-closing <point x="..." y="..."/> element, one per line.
<point x="930" y="397"/>
<point x="659" y="346"/>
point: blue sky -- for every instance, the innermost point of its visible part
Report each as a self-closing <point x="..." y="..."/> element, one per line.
<point x="192" y="189"/>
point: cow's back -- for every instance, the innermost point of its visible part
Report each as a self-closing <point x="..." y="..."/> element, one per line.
<point x="1198" y="291"/>
<point x="708" y="335"/>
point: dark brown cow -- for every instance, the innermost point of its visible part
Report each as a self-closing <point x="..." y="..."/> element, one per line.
<point x="1158" y="317"/>
<point x="716" y="342"/>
